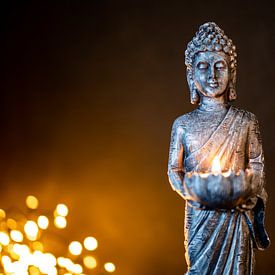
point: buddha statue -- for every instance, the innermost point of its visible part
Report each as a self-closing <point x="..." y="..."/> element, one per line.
<point x="217" y="241"/>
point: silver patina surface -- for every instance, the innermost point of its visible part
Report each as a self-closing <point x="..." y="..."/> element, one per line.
<point x="218" y="240"/>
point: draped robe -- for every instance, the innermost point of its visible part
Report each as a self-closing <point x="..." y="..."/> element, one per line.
<point x="221" y="241"/>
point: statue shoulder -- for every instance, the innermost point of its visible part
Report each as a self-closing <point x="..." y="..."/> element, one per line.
<point x="182" y="121"/>
<point x="247" y="115"/>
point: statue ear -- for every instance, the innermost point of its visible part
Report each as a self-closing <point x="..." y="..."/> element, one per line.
<point x="194" y="94"/>
<point x="232" y="94"/>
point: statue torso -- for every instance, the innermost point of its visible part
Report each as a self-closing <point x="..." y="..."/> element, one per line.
<point x="198" y="126"/>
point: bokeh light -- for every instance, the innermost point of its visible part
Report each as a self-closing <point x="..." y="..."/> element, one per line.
<point x="24" y="249"/>
<point x="38" y="246"/>
<point x="62" y="210"/>
<point x="16" y="236"/>
<point x="31" y="230"/>
<point x="75" y="248"/>
<point x="33" y="270"/>
<point x="4" y="238"/>
<point x="90" y="262"/>
<point x="109" y="267"/>
<point x="11" y="223"/>
<point x="77" y="269"/>
<point x="90" y="243"/>
<point x="2" y="214"/>
<point x="43" y="222"/>
<point x="60" y="222"/>
<point x="32" y="202"/>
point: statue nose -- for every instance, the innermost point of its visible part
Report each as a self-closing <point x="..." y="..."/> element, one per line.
<point x="212" y="76"/>
<point x="212" y="80"/>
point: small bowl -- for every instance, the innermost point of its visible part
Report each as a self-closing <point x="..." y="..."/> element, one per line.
<point x="218" y="191"/>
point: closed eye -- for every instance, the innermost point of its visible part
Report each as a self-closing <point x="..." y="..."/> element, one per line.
<point x="220" y="65"/>
<point x="202" y="65"/>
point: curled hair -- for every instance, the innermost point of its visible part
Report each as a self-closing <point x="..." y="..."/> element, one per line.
<point x="210" y="37"/>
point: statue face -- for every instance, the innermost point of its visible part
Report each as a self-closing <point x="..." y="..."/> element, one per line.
<point x="211" y="73"/>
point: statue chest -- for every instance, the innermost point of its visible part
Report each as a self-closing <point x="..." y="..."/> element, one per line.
<point x="199" y="130"/>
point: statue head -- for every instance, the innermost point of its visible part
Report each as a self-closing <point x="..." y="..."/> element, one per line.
<point x="211" y="63"/>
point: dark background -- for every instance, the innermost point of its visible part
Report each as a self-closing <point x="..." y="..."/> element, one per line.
<point x="89" y="91"/>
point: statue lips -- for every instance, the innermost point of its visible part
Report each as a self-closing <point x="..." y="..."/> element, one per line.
<point x="213" y="83"/>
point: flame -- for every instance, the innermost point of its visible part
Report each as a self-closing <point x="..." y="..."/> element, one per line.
<point x="216" y="166"/>
<point x="227" y="173"/>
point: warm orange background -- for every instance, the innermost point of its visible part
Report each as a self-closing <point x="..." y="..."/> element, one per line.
<point x="88" y="95"/>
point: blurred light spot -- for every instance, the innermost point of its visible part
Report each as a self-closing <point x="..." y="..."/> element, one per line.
<point x="75" y="248"/>
<point x="90" y="262"/>
<point x="47" y="269"/>
<point x="50" y="259"/>
<point x="65" y="263"/>
<point x="16" y="236"/>
<point x="109" y="267"/>
<point x="90" y="243"/>
<point x="4" y="238"/>
<point x="37" y="246"/>
<point x="62" y="210"/>
<point x="32" y="202"/>
<point x="45" y="262"/>
<point x="43" y="222"/>
<point x="11" y="224"/>
<point x="60" y="222"/>
<point x="33" y="270"/>
<point x="77" y="269"/>
<point x="62" y="261"/>
<point x="31" y="230"/>
<point x="6" y="260"/>
<point x="11" y="252"/>
<point x="37" y="259"/>
<point x="22" y="250"/>
<point x="2" y="214"/>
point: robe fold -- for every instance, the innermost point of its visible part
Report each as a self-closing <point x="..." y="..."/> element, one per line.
<point x="222" y="241"/>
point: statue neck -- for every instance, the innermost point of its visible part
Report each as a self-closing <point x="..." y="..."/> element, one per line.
<point x="213" y="104"/>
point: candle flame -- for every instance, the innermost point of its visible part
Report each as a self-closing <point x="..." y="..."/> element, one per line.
<point x="216" y="166"/>
<point x="204" y="175"/>
<point x="227" y="173"/>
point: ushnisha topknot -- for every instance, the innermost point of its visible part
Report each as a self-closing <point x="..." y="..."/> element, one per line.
<point x="210" y="37"/>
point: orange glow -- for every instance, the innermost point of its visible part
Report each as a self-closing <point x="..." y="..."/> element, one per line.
<point x="11" y="224"/>
<point x="38" y="246"/>
<point x="2" y="214"/>
<point x="22" y="246"/>
<point x="33" y="270"/>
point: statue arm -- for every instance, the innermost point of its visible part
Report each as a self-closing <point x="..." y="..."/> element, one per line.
<point x="176" y="154"/>
<point x="256" y="156"/>
<point x="256" y="164"/>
